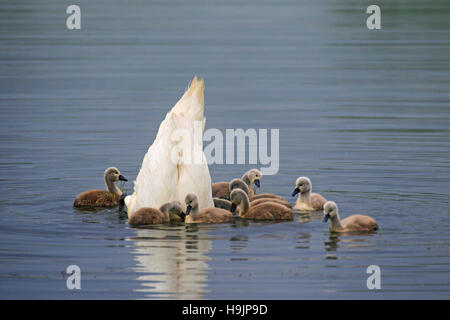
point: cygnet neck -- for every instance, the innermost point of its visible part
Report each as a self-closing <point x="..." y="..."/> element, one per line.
<point x="112" y="187"/>
<point x="335" y="222"/>
<point x="245" y="204"/>
<point x="305" y="197"/>
<point x="193" y="214"/>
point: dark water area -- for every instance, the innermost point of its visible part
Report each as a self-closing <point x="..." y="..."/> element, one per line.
<point x="364" y="113"/>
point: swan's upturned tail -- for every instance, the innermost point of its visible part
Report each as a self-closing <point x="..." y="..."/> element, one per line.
<point x="161" y="178"/>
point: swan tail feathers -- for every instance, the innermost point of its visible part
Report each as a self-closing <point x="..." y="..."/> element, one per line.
<point x="192" y="103"/>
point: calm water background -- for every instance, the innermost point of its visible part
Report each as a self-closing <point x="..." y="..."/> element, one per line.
<point x="365" y="114"/>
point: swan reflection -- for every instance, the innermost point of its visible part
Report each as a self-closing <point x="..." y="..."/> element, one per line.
<point x="349" y="240"/>
<point x="172" y="261"/>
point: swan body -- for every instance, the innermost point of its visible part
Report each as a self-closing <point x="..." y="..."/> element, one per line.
<point x="355" y="223"/>
<point x="307" y="201"/>
<point x="169" y="212"/>
<point x="263" y="211"/>
<point x="220" y="190"/>
<point x="269" y="211"/>
<point x="102" y="198"/>
<point x="274" y="200"/>
<point x="315" y="204"/>
<point x="267" y="195"/>
<point x="175" y="163"/>
<point x="205" y="215"/>
<point x="146" y="216"/>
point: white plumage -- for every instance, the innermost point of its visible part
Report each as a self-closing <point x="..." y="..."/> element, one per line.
<point x="175" y="163"/>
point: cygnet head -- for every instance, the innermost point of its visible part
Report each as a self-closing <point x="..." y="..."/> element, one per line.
<point x="113" y="174"/>
<point x="330" y="210"/>
<point x="191" y="201"/>
<point x="254" y="175"/>
<point x="237" y="197"/>
<point x="302" y="185"/>
<point x="174" y="207"/>
<point x="239" y="184"/>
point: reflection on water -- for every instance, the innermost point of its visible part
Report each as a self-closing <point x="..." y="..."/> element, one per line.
<point x="172" y="260"/>
<point x="349" y="240"/>
<point x="238" y="242"/>
<point x="308" y="216"/>
<point x="364" y="114"/>
<point x="304" y="240"/>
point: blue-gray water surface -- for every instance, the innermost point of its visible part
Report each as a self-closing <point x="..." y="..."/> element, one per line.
<point x="364" y="113"/>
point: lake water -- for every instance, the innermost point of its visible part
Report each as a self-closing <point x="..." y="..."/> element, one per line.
<point x="365" y="114"/>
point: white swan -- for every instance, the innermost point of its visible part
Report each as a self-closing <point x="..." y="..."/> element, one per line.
<point x="175" y="164"/>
